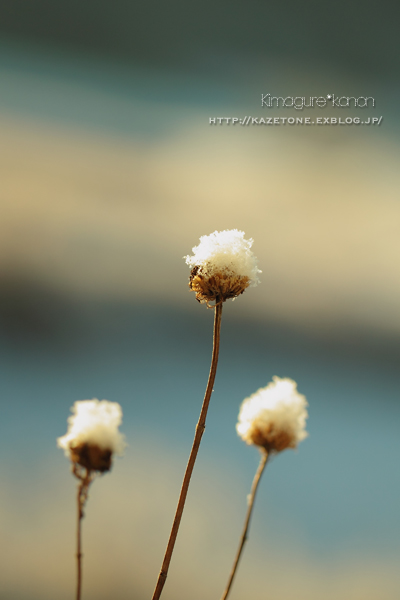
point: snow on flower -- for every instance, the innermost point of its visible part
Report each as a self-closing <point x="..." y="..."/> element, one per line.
<point x="223" y="266"/>
<point x="93" y="437"/>
<point x="274" y="417"/>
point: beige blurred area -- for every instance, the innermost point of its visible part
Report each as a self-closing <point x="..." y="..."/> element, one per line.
<point x="105" y="215"/>
<point x="96" y="214"/>
<point x="125" y="531"/>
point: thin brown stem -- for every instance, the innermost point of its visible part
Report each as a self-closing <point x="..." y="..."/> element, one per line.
<point x="83" y="490"/>
<point x="200" y="427"/>
<point x="243" y="538"/>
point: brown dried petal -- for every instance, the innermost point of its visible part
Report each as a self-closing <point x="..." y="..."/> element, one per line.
<point x="271" y="438"/>
<point x="92" y="457"/>
<point x="218" y="287"/>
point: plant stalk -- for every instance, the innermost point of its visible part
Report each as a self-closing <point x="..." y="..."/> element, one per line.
<point x="200" y="427"/>
<point x="243" y="538"/>
<point x="83" y="490"/>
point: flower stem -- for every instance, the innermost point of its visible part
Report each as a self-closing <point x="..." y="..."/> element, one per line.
<point x="243" y="538"/>
<point x="83" y="490"/>
<point x="200" y="427"/>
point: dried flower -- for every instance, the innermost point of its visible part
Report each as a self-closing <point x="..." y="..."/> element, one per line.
<point x="93" y="435"/>
<point x="274" y="417"/>
<point x="223" y="266"/>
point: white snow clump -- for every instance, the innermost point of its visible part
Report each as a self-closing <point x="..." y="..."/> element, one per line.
<point x="94" y="423"/>
<point x="225" y="251"/>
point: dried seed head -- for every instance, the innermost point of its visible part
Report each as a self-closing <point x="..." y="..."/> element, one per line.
<point x="223" y="266"/>
<point x="93" y="437"/>
<point x="92" y="457"/>
<point x="274" y="417"/>
<point x="221" y="286"/>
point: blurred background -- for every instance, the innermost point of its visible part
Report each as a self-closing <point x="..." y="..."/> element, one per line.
<point x="110" y="173"/>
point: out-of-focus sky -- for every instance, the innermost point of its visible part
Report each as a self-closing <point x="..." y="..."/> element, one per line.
<point x="110" y="173"/>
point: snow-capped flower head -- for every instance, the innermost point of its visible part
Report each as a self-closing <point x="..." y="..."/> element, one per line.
<point x="93" y="437"/>
<point x="223" y="266"/>
<point x="274" y="417"/>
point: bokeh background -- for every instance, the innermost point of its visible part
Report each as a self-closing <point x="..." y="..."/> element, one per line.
<point x="110" y="172"/>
